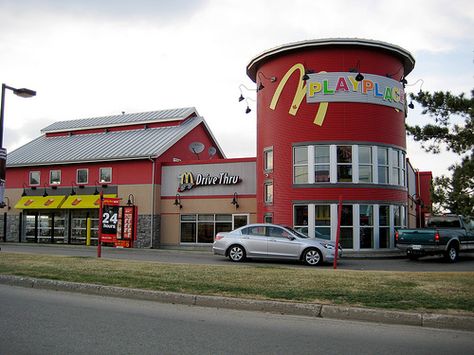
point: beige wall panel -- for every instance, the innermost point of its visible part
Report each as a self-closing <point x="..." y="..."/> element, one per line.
<point x="143" y="197"/>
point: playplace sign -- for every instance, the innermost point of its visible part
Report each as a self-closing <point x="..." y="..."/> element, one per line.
<point x="188" y="180"/>
<point x="343" y="87"/>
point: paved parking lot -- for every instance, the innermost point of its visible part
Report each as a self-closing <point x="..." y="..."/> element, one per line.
<point x="465" y="263"/>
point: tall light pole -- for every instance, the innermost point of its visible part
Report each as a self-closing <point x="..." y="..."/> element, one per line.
<point x="23" y="92"/>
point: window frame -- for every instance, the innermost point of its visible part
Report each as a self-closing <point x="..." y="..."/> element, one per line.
<point x="39" y="178"/>
<point x="318" y="164"/>
<point x="267" y="194"/>
<point x="100" y="175"/>
<point x="300" y="165"/>
<point x="268" y="159"/>
<point x="77" y="176"/>
<point x="369" y="164"/>
<point x="51" y="182"/>
<point x="344" y="164"/>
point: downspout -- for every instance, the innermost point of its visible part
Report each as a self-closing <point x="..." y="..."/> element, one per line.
<point x="152" y="234"/>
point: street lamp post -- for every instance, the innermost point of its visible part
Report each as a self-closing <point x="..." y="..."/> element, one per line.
<point x="23" y="92"/>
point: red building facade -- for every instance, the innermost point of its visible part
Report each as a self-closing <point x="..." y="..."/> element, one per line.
<point x="331" y="123"/>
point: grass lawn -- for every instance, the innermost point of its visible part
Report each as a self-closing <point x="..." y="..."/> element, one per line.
<point x="420" y="291"/>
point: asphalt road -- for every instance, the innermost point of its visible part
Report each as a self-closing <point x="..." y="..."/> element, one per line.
<point x="35" y="321"/>
<point x="435" y="263"/>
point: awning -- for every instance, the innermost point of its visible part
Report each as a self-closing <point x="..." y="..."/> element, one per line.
<point x="83" y="201"/>
<point x="40" y="202"/>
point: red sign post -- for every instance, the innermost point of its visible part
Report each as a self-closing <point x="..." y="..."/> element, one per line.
<point x="338" y="231"/>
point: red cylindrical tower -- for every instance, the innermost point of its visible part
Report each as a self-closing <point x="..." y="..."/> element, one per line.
<point x="331" y="122"/>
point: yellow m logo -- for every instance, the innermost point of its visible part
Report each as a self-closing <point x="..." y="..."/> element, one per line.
<point x="299" y="95"/>
<point x="187" y="178"/>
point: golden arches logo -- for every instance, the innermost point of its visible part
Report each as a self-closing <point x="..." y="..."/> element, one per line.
<point x="299" y="95"/>
<point x="187" y="178"/>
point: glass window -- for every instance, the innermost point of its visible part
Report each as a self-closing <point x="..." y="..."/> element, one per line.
<point x="54" y="177"/>
<point x="346" y="236"/>
<point x="202" y="228"/>
<point x="322" y="221"/>
<point x="365" y="164"/>
<point x="105" y="175"/>
<point x="82" y="176"/>
<point x="205" y="228"/>
<point x="382" y="161"/>
<point x="35" y="178"/>
<point x="384" y="226"/>
<point x="366" y="226"/>
<point x="344" y="163"/>
<point x="268" y="159"/>
<point x="301" y="215"/>
<point x="396" y="167"/>
<point x="321" y="163"/>
<point x="268" y="218"/>
<point x="300" y="164"/>
<point x="268" y="192"/>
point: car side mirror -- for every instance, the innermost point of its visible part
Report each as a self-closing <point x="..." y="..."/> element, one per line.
<point x="290" y="237"/>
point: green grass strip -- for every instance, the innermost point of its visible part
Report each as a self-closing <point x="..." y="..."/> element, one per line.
<point x="417" y="291"/>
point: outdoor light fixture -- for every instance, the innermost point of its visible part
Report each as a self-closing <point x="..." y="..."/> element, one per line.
<point x="261" y="74"/>
<point x="234" y="201"/>
<point x="24" y="191"/>
<point x="131" y="200"/>
<point x="242" y="98"/>
<point x="73" y="192"/>
<point x="248" y="110"/>
<point x="7" y="205"/>
<point x="96" y="191"/>
<point x="306" y="74"/>
<point x="359" y="76"/>
<point x="23" y="92"/>
<point x="410" y="105"/>
<point x="177" y="201"/>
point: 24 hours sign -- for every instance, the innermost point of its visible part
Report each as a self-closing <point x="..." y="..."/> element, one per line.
<point x="110" y="218"/>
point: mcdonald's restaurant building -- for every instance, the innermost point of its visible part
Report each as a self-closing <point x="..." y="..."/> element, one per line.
<point x="330" y="127"/>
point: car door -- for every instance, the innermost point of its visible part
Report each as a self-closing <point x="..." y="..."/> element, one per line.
<point x="280" y="245"/>
<point x="255" y="241"/>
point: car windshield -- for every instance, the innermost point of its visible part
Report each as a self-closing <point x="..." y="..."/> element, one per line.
<point x="298" y="234"/>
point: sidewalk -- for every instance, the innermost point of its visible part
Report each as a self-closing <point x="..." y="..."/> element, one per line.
<point x="432" y="320"/>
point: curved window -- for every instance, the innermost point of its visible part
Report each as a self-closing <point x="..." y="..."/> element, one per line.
<point x="363" y="164"/>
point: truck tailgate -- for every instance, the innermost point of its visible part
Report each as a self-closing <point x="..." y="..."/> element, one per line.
<point x="416" y="236"/>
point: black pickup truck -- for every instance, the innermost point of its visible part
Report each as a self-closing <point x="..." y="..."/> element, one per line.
<point x="447" y="235"/>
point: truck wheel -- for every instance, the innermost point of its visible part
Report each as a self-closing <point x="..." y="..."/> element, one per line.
<point x="452" y="253"/>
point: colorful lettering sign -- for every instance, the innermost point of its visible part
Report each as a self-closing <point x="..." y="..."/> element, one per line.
<point x="343" y="87"/>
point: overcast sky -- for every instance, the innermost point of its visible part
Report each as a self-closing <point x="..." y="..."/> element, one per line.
<point x="92" y="58"/>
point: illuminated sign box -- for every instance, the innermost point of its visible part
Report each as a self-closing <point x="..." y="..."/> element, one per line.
<point x="343" y="87"/>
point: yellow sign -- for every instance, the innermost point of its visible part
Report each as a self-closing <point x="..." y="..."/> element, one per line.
<point x="39" y="202"/>
<point x="84" y="201"/>
<point x="299" y="95"/>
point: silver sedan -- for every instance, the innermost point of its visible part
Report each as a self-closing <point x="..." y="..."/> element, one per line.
<point x="273" y="241"/>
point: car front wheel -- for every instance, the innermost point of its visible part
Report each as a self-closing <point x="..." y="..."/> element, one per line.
<point x="236" y="253"/>
<point x="313" y="257"/>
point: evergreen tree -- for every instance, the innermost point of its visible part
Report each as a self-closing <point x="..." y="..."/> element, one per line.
<point x="453" y="193"/>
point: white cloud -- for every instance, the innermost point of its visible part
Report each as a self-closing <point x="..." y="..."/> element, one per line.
<point x="88" y="59"/>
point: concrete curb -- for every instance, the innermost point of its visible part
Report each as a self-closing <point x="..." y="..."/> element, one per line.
<point x="442" y="321"/>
